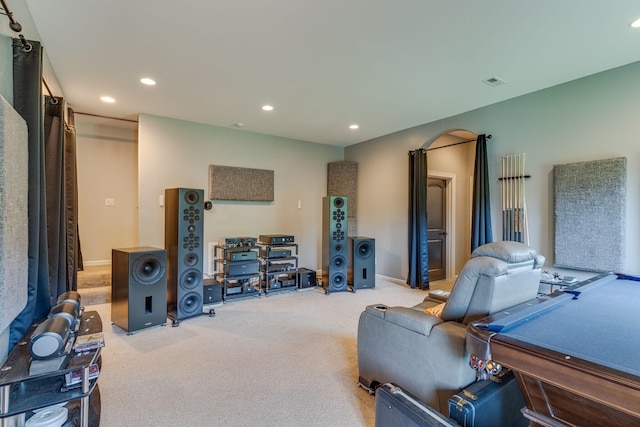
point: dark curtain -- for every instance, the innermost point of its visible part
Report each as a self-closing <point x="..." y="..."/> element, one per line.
<point x="27" y="100"/>
<point x="54" y="248"/>
<point x="62" y="196"/>
<point x="481" y="232"/>
<point x="418" y="238"/>
<point x="55" y="194"/>
<point x="74" y="253"/>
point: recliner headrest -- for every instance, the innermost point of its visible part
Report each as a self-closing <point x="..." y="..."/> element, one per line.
<point x="508" y="251"/>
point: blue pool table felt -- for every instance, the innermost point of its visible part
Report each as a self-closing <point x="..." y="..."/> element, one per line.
<point x="599" y="323"/>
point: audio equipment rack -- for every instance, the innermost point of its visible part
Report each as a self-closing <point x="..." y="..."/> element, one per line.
<point x="279" y="266"/>
<point x="238" y="274"/>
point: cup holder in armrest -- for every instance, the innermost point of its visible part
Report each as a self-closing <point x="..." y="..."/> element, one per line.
<point x="377" y="310"/>
<point x="439" y="294"/>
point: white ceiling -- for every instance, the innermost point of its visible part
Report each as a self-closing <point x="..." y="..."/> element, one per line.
<point x="324" y="64"/>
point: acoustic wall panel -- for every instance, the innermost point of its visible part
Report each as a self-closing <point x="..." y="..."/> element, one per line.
<point x="14" y="232"/>
<point x="590" y="204"/>
<point x="244" y="184"/>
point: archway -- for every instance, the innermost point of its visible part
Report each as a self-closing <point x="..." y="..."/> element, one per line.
<point x="451" y="157"/>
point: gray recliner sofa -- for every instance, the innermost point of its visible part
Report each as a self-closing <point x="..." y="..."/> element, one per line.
<point x="425" y="353"/>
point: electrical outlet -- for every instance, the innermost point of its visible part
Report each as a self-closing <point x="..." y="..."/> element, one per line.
<point x="109" y="202"/>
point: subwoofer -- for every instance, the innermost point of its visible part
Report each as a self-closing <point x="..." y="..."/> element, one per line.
<point x="361" y="271"/>
<point x="138" y="287"/>
<point x="334" y="243"/>
<point x="183" y="231"/>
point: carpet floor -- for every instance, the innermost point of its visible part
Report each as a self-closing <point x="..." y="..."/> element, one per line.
<point x="287" y="359"/>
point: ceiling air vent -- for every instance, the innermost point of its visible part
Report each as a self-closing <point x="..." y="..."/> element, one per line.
<point x="494" y="81"/>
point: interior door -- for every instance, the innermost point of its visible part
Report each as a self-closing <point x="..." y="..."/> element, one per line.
<point x="436" y="227"/>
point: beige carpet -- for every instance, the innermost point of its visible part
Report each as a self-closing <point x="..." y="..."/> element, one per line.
<point x="287" y="359"/>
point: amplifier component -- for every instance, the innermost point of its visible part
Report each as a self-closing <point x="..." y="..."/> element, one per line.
<point x="241" y="269"/>
<point x="276" y="239"/>
<point x="307" y="278"/>
<point x="278" y="253"/>
<point x="242" y="255"/>
<point x="242" y="286"/>
<point x="230" y="241"/>
<point x="234" y="242"/>
<point x="212" y="291"/>
<point x="285" y="283"/>
<point x="274" y="267"/>
<point x="248" y="241"/>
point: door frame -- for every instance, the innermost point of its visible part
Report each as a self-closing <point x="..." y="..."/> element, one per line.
<point x="450" y="229"/>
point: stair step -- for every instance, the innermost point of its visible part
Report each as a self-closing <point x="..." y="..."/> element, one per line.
<point x="94" y="277"/>
<point x="94" y="284"/>
<point x="95" y="295"/>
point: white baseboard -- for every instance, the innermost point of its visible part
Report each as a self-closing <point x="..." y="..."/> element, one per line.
<point x="392" y="279"/>
<point x="99" y="262"/>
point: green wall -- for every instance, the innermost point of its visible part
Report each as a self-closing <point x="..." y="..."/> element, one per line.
<point x="592" y="118"/>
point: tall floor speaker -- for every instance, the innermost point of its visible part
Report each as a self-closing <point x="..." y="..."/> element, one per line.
<point x="361" y="270"/>
<point x="183" y="230"/>
<point x="138" y="287"/>
<point x="334" y="243"/>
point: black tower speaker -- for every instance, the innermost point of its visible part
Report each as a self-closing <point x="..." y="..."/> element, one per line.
<point x="138" y="287"/>
<point x="334" y="243"/>
<point x="361" y="271"/>
<point x="183" y="229"/>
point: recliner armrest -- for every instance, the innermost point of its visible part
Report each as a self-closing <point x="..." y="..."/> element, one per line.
<point x="438" y="295"/>
<point x="377" y="310"/>
<point x="413" y="320"/>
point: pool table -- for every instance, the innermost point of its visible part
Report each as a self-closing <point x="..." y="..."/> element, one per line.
<point x="575" y="352"/>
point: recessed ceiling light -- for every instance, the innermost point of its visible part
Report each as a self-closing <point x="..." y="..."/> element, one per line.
<point x="147" y="81"/>
<point x="635" y="24"/>
<point x="108" y="99"/>
<point x="354" y="126"/>
<point x="267" y="107"/>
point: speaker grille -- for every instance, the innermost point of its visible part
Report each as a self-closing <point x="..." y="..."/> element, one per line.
<point x="191" y="304"/>
<point x="190" y="279"/>
<point x="338" y="282"/>
<point x="191" y="197"/>
<point x="364" y="249"/>
<point x="338" y="262"/>
<point x="191" y="259"/>
<point x="148" y="269"/>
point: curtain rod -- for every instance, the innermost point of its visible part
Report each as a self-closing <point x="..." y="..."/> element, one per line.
<point x="13" y="24"/>
<point x="456" y="143"/>
<point x="104" y="117"/>
<point x="54" y="100"/>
